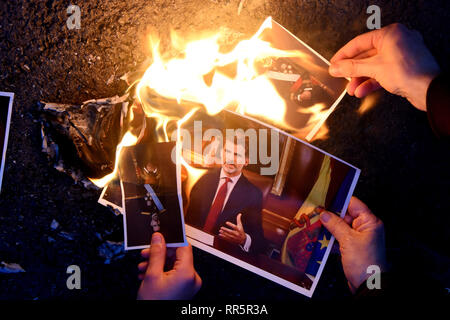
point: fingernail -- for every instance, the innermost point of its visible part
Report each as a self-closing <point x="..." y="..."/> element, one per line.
<point x="333" y="70"/>
<point x="325" y="216"/>
<point x="156" y="238"/>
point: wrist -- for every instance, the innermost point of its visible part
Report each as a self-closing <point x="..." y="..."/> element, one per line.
<point x="418" y="91"/>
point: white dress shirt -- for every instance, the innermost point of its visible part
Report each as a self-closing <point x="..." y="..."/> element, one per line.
<point x="230" y="187"/>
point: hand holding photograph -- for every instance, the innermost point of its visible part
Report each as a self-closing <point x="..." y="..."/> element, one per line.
<point x="151" y="200"/>
<point x="266" y="223"/>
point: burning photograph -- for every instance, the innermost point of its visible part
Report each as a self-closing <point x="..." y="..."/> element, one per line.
<point x="112" y="196"/>
<point x="253" y="195"/>
<point x="6" y="101"/>
<point x="151" y="201"/>
<point x="273" y="77"/>
<point x="302" y="79"/>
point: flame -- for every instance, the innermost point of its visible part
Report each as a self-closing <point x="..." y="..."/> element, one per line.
<point x="200" y="75"/>
<point x="193" y="174"/>
<point x="183" y="78"/>
<point x="128" y="140"/>
<point x="369" y="102"/>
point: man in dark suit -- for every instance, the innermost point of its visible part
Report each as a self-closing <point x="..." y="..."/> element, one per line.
<point x="224" y="203"/>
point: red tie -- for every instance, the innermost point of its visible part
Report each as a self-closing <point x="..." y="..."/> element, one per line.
<point x="216" y="207"/>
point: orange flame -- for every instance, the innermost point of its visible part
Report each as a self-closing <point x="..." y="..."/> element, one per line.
<point x="172" y="89"/>
<point x="183" y="78"/>
<point x="369" y="102"/>
<point x="128" y="140"/>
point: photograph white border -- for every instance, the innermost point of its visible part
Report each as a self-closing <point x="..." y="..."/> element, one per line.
<point x="5" y="141"/>
<point x="264" y="273"/>
<point x="106" y="203"/>
<point x="180" y="200"/>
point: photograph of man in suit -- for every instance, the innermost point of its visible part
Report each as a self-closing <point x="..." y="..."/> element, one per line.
<point x="226" y="204"/>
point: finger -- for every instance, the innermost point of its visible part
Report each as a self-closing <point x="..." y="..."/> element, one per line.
<point x="198" y="282"/>
<point x="226" y="229"/>
<point x="335" y="225"/>
<point x="348" y="219"/>
<point x="356" y="207"/>
<point x="354" y="68"/>
<point x="366" y="54"/>
<point x="364" y="219"/>
<point x="228" y="232"/>
<point x="354" y="83"/>
<point x="227" y="237"/>
<point x="366" y="88"/>
<point x="157" y="255"/>
<point x="145" y="253"/>
<point x="184" y="258"/>
<point x="358" y="45"/>
<point x="239" y="221"/>
<point x="142" y="266"/>
<point x="228" y="223"/>
<point x="361" y="213"/>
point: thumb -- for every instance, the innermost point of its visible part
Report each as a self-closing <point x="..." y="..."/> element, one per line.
<point x="157" y="257"/>
<point x="335" y="225"/>
<point x="238" y="220"/>
<point x="354" y="68"/>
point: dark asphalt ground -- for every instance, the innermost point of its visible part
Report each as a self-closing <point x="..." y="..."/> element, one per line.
<point x="405" y="170"/>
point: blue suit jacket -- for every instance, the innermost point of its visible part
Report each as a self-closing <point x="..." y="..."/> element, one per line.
<point x="245" y="198"/>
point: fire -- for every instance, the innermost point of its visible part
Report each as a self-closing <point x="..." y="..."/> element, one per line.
<point x="245" y="90"/>
<point x="128" y="140"/>
<point x="202" y="76"/>
<point x="193" y="174"/>
<point x="368" y="102"/>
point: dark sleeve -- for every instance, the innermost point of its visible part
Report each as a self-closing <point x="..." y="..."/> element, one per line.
<point x="438" y="105"/>
<point x="255" y="225"/>
<point x="386" y="289"/>
<point x="193" y="210"/>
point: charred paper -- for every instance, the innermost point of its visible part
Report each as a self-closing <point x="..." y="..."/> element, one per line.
<point x="151" y="202"/>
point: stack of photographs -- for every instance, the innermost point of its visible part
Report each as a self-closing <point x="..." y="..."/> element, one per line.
<point x="249" y="191"/>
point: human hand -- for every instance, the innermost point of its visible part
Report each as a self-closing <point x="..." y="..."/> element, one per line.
<point x="393" y="57"/>
<point x="179" y="283"/>
<point x="361" y="241"/>
<point x="236" y="234"/>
